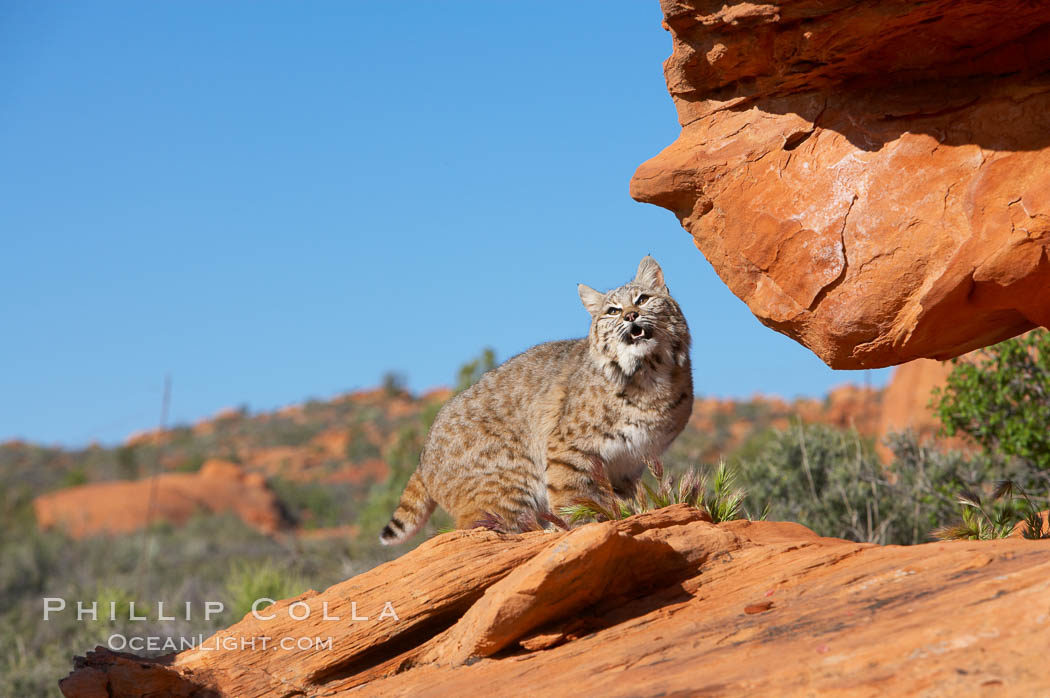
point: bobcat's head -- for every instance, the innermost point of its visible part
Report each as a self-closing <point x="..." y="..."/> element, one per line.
<point x="638" y="325"/>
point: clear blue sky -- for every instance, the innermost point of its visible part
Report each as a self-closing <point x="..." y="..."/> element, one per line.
<point x="281" y="200"/>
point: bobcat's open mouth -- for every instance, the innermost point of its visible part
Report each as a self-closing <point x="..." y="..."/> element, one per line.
<point x="637" y="333"/>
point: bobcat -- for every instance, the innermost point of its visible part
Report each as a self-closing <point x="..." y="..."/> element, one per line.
<point x="525" y="438"/>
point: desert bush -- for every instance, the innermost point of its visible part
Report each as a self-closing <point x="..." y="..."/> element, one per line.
<point x="248" y="582"/>
<point x="1002" y="399"/>
<point x="312" y="504"/>
<point x="939" y="477"/>
<point x="358" y="447"/>
<point x="127" y="463"/>
<point x="286" y="432"/>
<point x="394" y="383"/>
<point x="826" y="479"/>
<point x="191" y="463"/>
<point x="74" y="477"/>
<point x="831" y="481"/>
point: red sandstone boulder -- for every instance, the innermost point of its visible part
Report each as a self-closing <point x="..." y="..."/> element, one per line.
<point x="121" y="506"/>
<point x="872" y="179"/>
<point x="664" y="603"/>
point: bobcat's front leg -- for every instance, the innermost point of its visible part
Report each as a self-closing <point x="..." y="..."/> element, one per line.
<point x="572" y="475"/>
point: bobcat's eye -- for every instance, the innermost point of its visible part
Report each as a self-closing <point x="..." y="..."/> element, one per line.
<point x="641" y="299"/>
<point x="612" y="311"/>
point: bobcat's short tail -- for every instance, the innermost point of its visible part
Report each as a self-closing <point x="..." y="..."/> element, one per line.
<point x="413" y="510"/>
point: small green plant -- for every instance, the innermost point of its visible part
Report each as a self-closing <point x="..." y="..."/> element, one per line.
<point x="997" y="517"/>
<point x="722" y="501"/>
<point x="726" y="499"/>
<point x="248" y="582"/>
<point x="979" y="522"/>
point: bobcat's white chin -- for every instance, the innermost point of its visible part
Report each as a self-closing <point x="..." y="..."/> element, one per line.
<point x="630" y="356"/>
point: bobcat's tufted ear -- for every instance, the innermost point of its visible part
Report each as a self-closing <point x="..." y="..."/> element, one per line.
<point x="650" y="274"/>
<point x="592" y="300"/>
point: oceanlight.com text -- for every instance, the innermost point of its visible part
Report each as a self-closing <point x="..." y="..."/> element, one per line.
<point x="261" y="643"/>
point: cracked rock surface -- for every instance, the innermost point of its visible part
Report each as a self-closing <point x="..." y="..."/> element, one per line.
<point x="663" y="603"/>
<point x="872" y="179"/>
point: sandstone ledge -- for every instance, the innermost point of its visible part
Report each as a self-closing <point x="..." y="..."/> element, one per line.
<point x="663" y="603"/>
<point x="872" y="179"/>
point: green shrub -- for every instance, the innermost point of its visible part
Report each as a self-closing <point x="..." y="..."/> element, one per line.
<point x="191" y="463"/>
<point x="248" y="582"/>
<point x="394" y="383"/>
<point x="358" y="447"/>
<point x="310" y="504"/>
<point x="74" y="477"/>
<point x="127" y="463"/>
<point x="286" y="432"/>
<point x="1002" y="399"/>
<point x="830" y="480"/>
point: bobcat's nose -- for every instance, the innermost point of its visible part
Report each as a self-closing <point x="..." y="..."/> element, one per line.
<point x="631" y="316"/>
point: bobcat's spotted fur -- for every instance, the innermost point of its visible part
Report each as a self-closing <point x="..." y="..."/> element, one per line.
<point x="526" y="436"/>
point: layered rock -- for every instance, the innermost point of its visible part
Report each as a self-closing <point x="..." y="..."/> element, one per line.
<point x="122" y="506"/>
<point x="664" y="603"/>
<point x="872" y="179"/>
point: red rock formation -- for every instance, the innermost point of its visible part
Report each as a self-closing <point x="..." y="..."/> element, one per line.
<point x="360" y="473"/>
<point x="663" y="603"/>
<point x="872" y="179"/>
<point x="121" y="506"/>
<point x="846" y="406"/>
<point x="331" y="443"/>
<point x="906" y="399"/>
<point x="733" y="422"/>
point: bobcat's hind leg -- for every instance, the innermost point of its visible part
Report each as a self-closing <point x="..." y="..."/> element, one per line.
<point x="574" y="475"/>
<point x="506" y="497"/>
